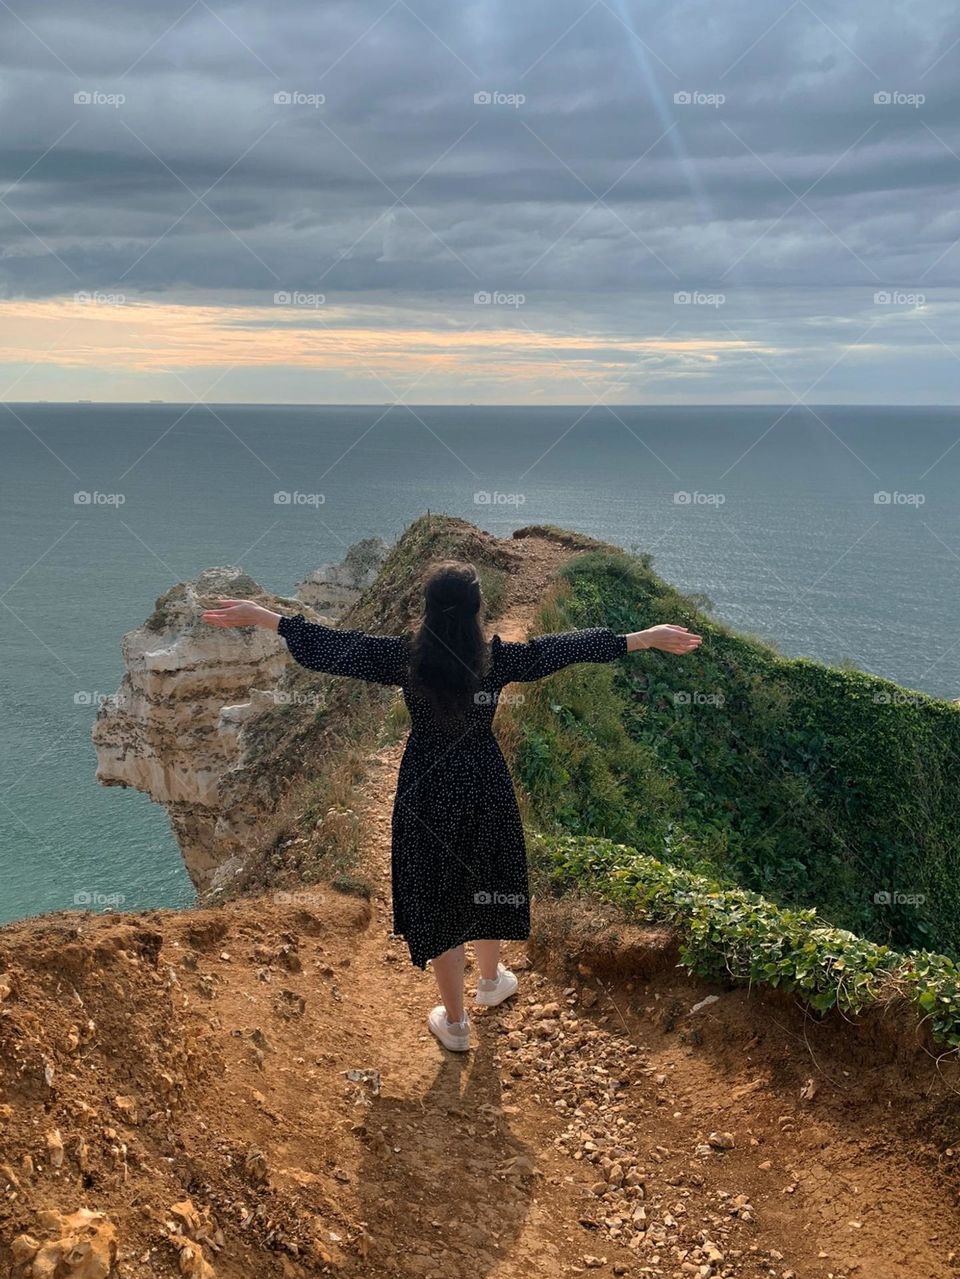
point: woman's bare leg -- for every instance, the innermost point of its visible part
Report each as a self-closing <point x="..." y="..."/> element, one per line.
<point x="488" y="956"/>
<point x="448" y="970"/>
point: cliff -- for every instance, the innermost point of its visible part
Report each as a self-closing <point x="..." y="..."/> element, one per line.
<point x="177" y="727"/>
<point x="249" y="1089"/>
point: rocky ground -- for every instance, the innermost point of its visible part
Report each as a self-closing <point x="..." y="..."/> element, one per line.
<point x="252" y="1091"/>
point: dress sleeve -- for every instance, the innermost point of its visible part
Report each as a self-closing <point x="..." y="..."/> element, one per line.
<point x="378" y="658"/>
<point x="548" y="653"/>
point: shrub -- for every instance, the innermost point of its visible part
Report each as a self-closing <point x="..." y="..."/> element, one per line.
<point x="737" y="935"/>
<point x="816" y="787"/>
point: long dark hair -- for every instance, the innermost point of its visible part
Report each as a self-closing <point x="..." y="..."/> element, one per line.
<point x="449" y="653"/>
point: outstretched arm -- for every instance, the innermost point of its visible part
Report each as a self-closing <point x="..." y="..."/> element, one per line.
<point x="548" y="653"/>
<point x="378" y="658"/>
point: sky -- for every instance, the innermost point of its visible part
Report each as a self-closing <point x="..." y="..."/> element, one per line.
<point x="480" y="202"/>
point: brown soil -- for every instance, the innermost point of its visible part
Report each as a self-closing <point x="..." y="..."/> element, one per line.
<point x="202" y="1056"/>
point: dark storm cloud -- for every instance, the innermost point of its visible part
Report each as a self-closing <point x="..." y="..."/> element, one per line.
<point x="598" y="181"/>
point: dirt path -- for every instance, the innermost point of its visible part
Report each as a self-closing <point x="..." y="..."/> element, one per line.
<point x="598" y="1124"/>
<point x="581" y="1084"/>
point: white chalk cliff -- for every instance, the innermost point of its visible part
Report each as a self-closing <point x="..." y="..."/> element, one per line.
<point x="176" y="727"/>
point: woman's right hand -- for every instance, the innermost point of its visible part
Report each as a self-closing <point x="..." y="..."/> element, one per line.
<point x="240" y="613"/>
<point x="671" y="639"/>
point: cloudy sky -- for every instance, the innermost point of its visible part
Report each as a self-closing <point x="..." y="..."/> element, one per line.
<point x="490" y="202"/>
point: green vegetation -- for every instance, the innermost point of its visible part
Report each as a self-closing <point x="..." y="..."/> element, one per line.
<point x="730" y="934"/>
<point x="395" y="600"/>
<point x="817" y="787"/>
<point x="793" y="824"/>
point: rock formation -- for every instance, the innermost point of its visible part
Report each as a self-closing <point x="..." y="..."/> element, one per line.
<point x="82" y="1245"/>
<point x="332" y="588"/>
<point x="175" y="729"/>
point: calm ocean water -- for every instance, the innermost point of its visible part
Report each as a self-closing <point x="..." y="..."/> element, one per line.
<point x="773" y="514"/>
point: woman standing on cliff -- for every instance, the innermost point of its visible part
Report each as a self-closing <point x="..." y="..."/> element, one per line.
<point x="459" y="864"/>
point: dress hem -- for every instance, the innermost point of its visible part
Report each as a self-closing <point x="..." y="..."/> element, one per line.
<point x="471" y="934"/>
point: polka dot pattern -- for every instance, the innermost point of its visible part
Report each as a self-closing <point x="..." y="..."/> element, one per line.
<point x="459" y="861"/>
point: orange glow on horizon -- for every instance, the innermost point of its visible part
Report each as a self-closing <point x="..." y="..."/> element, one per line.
<point x="153" y="337"/>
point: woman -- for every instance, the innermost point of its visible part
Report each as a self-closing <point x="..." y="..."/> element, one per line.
<point x="459" y="867"/>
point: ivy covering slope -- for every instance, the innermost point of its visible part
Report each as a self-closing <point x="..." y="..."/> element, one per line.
<point x="817" y="787"/>
<point x="733" y="934"/>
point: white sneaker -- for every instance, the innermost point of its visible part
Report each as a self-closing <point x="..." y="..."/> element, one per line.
<point x="496" y="990"/>
<point x="452" y="1034"/>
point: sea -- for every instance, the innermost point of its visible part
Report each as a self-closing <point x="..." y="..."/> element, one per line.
<point x="833" y="532"/>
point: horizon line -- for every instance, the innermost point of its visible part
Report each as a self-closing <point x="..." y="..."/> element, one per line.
<point x="467" y="404"/>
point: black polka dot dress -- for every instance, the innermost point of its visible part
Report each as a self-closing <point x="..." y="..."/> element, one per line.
<point x="459" y="861"/>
